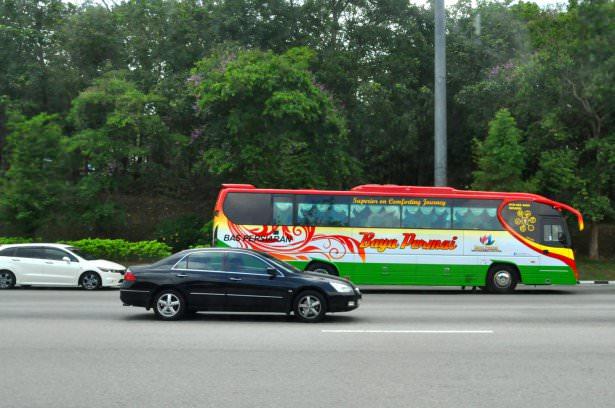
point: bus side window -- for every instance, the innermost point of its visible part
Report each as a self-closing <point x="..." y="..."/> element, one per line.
<point x="376" y="216"/>
<point x="282" y="211"/>
<point x="476" y="218"/>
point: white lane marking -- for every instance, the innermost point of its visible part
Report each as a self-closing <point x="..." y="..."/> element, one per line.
<point x="413" y="331"/>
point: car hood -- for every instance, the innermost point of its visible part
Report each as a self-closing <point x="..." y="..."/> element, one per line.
<point x="102" y="263"/>
<point x="324" y="277"/>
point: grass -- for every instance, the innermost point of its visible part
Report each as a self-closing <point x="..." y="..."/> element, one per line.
<point x="603" y="269"/>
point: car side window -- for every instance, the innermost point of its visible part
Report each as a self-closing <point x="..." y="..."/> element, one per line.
<point x="244" y="263"/>
<point x="205" y="261"/>
<point x="8" y="252"/>
<point x="57" y="254"/>
<point x="30" y="252"/>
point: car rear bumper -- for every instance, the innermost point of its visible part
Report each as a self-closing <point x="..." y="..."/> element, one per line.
<point x="135" y="297"/>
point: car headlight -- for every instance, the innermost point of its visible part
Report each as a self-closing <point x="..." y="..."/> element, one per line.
<point x="341" y="287"/>
<point x="111" y="270"/>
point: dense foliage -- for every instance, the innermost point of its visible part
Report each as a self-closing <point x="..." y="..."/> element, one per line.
<point x="111" y="249"/>
<point x="166" y="99"/>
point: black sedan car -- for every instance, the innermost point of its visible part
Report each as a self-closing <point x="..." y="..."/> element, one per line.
<point x="237" y="280"/>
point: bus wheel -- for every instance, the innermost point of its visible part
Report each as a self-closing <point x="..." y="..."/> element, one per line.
<point x="502" y="279"/>
<point x="320" y="267"/>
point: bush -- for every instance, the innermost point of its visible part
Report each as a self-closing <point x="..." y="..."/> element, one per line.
<point x="119" y="249"/>
<point x="15" y="240"/>
<point x="180" y="232"/>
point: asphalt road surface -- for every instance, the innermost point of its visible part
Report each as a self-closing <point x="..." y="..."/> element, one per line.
<point x="431" y="348"/>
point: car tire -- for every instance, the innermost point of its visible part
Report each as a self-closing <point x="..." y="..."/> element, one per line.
<point x="169" y="305"/>
<point x="321" y="267"/>
<point x="310" y="306"/>
<point x="502" y="279"/>
<point x="7" y="280"/>
<point x="90" y="281"/>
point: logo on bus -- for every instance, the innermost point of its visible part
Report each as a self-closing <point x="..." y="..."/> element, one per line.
<point x="487" y="244"/>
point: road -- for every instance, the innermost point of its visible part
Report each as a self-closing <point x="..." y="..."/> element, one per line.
<point x="419" y="348"/>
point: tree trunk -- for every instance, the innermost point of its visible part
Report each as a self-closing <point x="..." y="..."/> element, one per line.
<point x="593" y="241"/>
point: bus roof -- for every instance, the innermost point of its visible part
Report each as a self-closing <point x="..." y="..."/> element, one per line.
<point x="397" y="190"/>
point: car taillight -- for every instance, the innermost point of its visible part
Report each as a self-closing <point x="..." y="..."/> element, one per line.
<point x="129" y="277"/>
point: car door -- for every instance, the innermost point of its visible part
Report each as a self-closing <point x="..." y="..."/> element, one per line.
<point x="251" y="287"/>
<point x="199" y="275"/>
<point x="30" y="263"/>
<point x="59" y="271"/>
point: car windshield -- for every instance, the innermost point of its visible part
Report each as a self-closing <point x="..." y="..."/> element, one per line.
<point x="82" y="254"/>
<point x="284" y="265"/>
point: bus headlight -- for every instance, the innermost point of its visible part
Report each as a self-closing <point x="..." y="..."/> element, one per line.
<point x="341" y="287"/>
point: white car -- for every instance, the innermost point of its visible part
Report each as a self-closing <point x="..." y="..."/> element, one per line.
<point x="55" y="265"/>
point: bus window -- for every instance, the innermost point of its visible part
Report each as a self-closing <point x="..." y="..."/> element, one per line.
<point x="376" y="216"/>
<point x="248" y="208"/>
<point x="322" y="211"/>
<point x="282" y="210"/>
<point x="426" y="217"/>
<point x="476" y="215"/>
<point x="522" y="217"/>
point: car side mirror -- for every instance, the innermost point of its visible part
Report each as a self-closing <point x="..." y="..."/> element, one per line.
<point x="66" y="259"/>
<point x="273" y="272"/>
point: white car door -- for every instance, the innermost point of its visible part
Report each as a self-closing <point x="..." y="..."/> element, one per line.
<point x="29" y="264"/>
<point x="57" y="270"/>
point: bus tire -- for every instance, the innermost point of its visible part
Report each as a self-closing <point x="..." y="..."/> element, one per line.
<point x="502" y="278"/>
<point x="322" y="267"/>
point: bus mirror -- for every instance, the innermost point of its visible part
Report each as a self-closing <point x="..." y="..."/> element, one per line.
<point x="561" y="237"/>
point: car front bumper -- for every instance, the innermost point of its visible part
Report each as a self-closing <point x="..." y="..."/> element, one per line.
<point x="343" y="302"/>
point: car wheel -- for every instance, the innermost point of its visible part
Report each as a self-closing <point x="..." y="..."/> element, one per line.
<point x="169" y="305"/>
<point x="322" y="268"/>
<point x="502" y="279"/>
<point x="90" y="281"/>
<point x="310" y="306"/>
<point x="7" y="280"/>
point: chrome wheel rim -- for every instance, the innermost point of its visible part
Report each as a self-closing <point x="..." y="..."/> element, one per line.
<point x="310" y="307"/>
<point x="168" y="305"/>
<point x="90" y="281"/>
<point x="321" y="270"/>
<point x="6" y="280"/>
<point x="502" y="279"/>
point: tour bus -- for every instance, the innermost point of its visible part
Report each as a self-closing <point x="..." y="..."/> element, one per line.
<point x="405" y="235"/>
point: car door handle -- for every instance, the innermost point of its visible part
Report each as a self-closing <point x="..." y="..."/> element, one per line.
<point x="48" y="262"/>
<point x="181" y="275"/>
<point x="16" y="260"/>
<point x="235" y="279"/>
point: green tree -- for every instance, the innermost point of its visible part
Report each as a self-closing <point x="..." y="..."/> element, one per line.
<point x="500" y="157"/>
<point x="35" y="183"/>
<point x="267" y="121"/>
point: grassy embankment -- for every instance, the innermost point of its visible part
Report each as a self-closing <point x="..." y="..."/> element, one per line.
<point x="596" y="270"/>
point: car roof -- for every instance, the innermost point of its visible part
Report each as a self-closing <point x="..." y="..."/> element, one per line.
<point x="218" y="249"/>
<point x="37" y="244"/>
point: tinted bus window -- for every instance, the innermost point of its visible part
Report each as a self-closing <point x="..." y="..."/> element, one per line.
<point x="248" y="208"/>
<point x="476" y="215"/>
<point x="521" y="216"/>
<point x="327" y="211"/>
<point x="426" y="217"/>
<point x="376" y="216"/>
<point x="283" y="210"/>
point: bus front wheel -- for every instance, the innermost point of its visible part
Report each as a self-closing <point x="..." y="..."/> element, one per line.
<point x="502" y="279"/>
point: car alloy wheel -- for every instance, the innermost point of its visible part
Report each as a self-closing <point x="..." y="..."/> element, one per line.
<point x="7" y="280"/>
<point x="90" y="281"/>
<point x="310" y="307"/>
<point x="169" y="305"/>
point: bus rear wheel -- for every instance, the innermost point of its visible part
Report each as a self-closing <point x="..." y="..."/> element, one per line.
<point x="321" y="267"/>
<point x="502" y="279"/>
